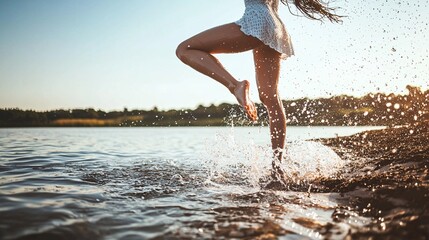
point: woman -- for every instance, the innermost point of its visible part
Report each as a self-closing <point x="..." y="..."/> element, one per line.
<point x="261" y="30"/>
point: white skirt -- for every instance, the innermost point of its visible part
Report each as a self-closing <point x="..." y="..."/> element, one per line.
<point x="261" y="20"/>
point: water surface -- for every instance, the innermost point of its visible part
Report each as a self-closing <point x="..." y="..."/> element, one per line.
<point x="160" y="183"/>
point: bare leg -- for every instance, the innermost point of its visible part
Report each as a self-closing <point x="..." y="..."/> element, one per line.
<point x="267" y="67"/>
<point x="197" y="53"/>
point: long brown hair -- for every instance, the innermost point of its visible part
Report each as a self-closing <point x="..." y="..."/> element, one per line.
<point x="314" y="9"/>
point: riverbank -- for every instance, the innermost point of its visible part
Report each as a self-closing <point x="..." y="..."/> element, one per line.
<point x="387" y="179"/>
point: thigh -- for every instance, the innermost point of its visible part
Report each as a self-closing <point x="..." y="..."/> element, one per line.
<point x="226" y="38"/>
<point x="267" y="67"/>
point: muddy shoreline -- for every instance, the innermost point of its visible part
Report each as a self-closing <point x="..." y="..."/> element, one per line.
<point x="387" y="179"/>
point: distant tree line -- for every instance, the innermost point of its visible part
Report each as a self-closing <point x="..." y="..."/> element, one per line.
<point x="371" y="109"/>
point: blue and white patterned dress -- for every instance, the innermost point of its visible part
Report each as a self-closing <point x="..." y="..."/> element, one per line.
<point x="261" y="20"/>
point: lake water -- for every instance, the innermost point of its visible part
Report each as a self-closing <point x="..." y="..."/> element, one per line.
<point x="162" y="183"/>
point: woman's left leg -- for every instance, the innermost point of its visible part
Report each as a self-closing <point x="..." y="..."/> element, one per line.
<point x="197" y="52"/>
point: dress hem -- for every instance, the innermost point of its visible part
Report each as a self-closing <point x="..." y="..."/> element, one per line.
<point x="283" y="55"/>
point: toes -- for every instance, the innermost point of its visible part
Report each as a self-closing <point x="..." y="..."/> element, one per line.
<point x="254" y="113"/>
<point x="248" y="112"/>
<point x="251" y="113"/>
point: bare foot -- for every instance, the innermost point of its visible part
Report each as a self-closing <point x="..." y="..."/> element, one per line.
<point x="241" y="92"/>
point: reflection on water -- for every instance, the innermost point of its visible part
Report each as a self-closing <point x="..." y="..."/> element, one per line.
<point x="157" y="183"/>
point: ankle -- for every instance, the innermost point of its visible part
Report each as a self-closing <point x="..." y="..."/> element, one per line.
<point x="231" y="87"/>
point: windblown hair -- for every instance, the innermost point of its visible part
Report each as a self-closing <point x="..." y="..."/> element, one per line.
<point x="314" y="9"/>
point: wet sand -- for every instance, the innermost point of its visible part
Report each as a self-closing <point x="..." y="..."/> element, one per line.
<point x="386" y="179"/>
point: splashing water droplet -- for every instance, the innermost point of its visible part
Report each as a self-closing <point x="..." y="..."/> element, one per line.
<point x="397" y="106"/>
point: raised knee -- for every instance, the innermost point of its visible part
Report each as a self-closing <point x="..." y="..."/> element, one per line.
<point x="181" y="51"/>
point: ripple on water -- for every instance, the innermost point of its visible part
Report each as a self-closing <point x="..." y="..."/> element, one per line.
<point x="108" y="193"/>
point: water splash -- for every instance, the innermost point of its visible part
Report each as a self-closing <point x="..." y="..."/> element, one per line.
<point x="243" y="162"/>
<point x="308" y="160"/>
<point x="234" y="162"/>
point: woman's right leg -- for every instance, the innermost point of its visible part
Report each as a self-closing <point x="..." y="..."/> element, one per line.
<point x="197" y="53"/>
<point x="267" y="67"/>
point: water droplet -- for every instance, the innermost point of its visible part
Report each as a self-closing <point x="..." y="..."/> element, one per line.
<point x="397" y="106"/>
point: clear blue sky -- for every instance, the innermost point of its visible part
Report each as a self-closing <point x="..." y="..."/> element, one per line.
<point x="110" y="54"/>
